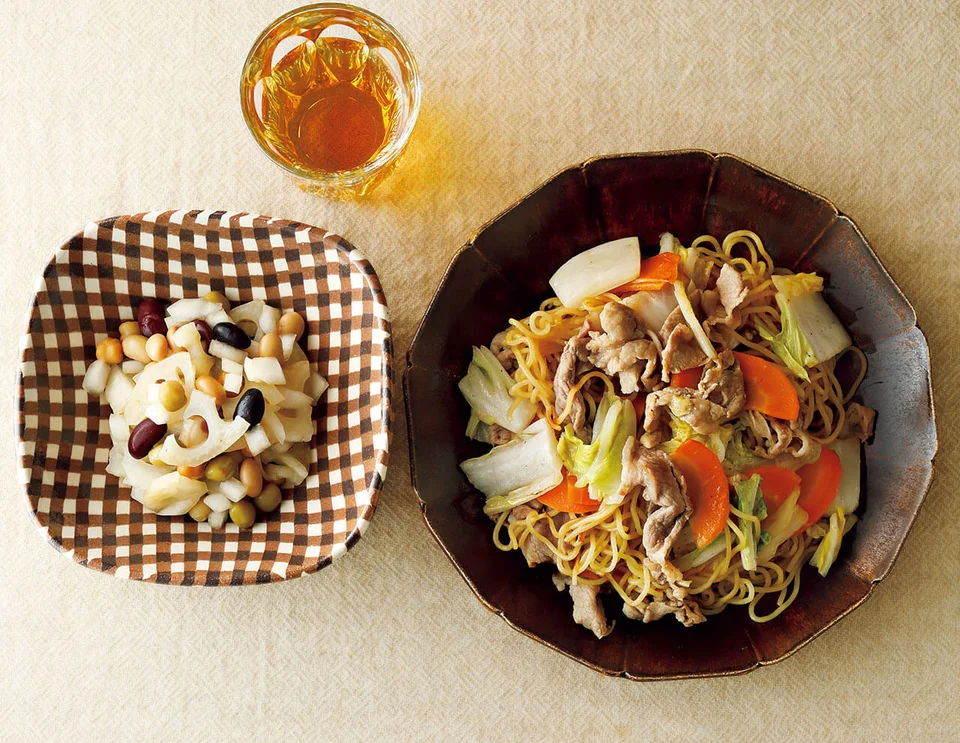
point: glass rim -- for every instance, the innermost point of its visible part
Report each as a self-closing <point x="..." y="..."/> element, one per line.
<point x="388" y="153"/>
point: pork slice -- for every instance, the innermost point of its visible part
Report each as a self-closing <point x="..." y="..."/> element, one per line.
<point x="534" y="550"/>
<point x="668" y="507"/>
<point x="504" y="354"/>
<point x="687" y="611"/>
<point x="729" y="295"/>
<point x="622" y="348"/>
<point x="722" y="383"/>
<point x="566" y="379"/>
<point x="497" y="435"/>
<point x="681" y="350"/>
<point x="859" y="422"/>
<point x="587" y="610"/>
<point x="703" y="415"/>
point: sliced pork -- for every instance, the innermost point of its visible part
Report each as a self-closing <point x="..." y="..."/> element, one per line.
<point x="668" y="507"/>
<point x="623" y="350"/>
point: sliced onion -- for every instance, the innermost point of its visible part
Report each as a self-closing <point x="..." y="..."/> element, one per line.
<point x="96" y="378"/>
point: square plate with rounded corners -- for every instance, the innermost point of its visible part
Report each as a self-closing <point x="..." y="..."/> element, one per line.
<point x="93" y="283"/>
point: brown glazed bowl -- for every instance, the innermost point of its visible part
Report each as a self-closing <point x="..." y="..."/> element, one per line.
<point x="93" y="283"/>
<point x="502" y="272"/>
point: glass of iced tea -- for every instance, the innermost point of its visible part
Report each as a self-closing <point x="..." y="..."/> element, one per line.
<point x="331" y="93"/>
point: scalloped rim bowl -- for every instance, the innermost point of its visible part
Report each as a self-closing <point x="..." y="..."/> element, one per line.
<point x="502" y="272"/>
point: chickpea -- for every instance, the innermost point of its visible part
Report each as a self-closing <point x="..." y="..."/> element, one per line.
<point x="131" y="327"/>
<point x="251" y="476"/>
<point x="269" y="498"/>
<point x="218" y="298"/>
<point x="110" y="351"/>
<point x="171" y="395"/>
<point x="220" y="468"/>
<point x="270" y="345"/>
<point x="291" y="323"/>
<point x="210" y="386"/>
<point x="194" y="473"/>
<point x="194" y="432"/>
<point x="243" y="514"/>
<point x="135" y="347"/>
<point x="200" y="511"/>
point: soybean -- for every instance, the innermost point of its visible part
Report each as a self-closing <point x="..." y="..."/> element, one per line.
<point x="290" y="323"/>
<point x="200" y="511"/>
<point x="218" y="298"/>
<point x="269" y="498"/>
<point x="172" y="395"/>
<point x="135" y="347"/>
<point x="220" y="468"/>
<point x="251" y="477"/>
<point x="131" y="327"/>
<point x="243" y="514"/>
<point x="271" y="345"/>
<point x="210" y="386"/>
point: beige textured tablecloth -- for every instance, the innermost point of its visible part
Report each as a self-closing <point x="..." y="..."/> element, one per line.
<point x="118" y="107"/>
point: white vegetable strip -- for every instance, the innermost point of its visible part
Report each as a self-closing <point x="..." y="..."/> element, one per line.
<point x="226" y="352"/>
<point x="266" y="369"/>
<point x="96" y="378"/>
<point x="691" y="319"/>
<point x="487" y="389"/>
<point x="220" y="437"/>
<point x="597" y="270"/>
<point x="848" y="495"/>
<point x="118" y="391"/>
<point x="517" y="472"/>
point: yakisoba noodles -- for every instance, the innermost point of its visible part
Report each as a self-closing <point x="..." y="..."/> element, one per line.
<point x="672" y="429"/>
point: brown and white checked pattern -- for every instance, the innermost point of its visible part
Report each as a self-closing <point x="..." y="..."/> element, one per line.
<point x="93" y="283"/>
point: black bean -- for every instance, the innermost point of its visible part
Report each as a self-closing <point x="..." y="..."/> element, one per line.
<point x="149" y="306"/>
<point x="144" y="436"/>
<point x="250" y="407"/>
<point x="227" y="332"/>
<point x="206" y="335"/>
<point x="151" y="325"/>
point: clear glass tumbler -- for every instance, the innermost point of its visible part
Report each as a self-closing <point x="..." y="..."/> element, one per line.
<point x="330" y="92"/>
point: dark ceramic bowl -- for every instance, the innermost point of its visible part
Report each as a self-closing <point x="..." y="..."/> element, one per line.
<point x="502" y="272"/>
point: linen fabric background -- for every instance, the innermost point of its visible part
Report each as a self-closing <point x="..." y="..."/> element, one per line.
<point x="115" y="107"/>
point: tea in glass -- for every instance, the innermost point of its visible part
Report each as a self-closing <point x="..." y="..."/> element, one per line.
<point x="331" y="94"/>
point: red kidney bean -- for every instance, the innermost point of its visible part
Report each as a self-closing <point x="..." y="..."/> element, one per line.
<point x="206" y="335"/>
<point x="151" y="325"/>
<point x="143" y="437"/>
<point x="149" y="306"/>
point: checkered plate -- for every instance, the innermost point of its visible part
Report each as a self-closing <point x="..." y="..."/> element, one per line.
<point x="93" y="283"/>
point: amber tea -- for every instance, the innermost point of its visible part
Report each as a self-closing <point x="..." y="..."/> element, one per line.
<point x="331" y="94"/>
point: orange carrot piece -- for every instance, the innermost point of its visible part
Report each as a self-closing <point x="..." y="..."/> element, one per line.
<point x="707" y="487"/>
<point x="767" y="388"/>
<point x="776" y="484"/>
<point x="567" y="497"/>
<point x="655" y="273"/>
<point x="819" y="485"/>
<point x="687" y="377"/>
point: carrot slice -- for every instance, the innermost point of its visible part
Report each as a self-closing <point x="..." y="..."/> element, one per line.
<point x="687" y="377"/>
<point x="655" y="273"/>
<point x="707" y="487"/>
<point x="776" y="483"/>
<point x="767" y="388"/>
<point x="567" y="497"/>
<point x="819" y="485"/>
